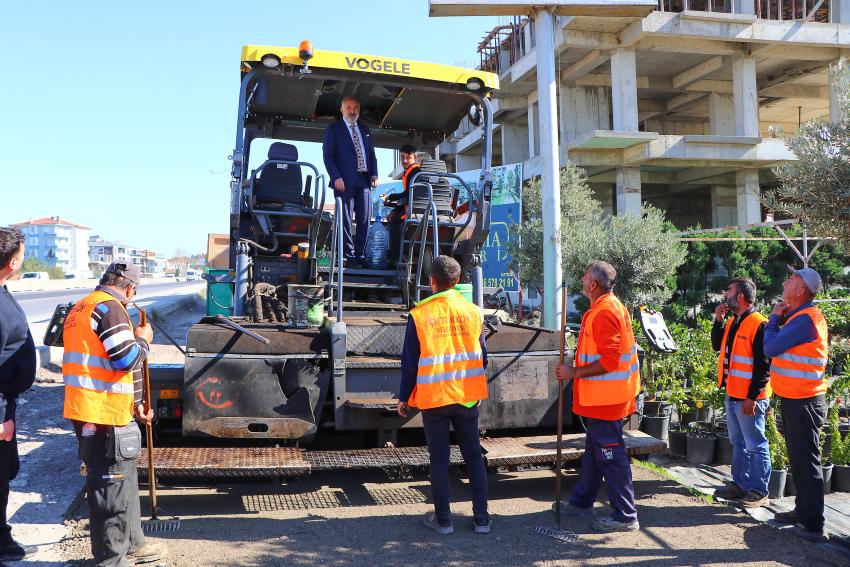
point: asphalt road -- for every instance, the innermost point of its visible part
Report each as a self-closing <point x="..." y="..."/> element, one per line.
<point x="39" y="305"/>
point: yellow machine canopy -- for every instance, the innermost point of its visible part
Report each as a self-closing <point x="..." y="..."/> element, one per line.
<point x="400" y="100"/>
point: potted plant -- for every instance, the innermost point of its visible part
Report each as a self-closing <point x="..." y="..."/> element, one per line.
<point x="840" y="453"/>
<point x="678" y="436"/>
<point x="657" y="412"/>
<point x="778" y="457"/>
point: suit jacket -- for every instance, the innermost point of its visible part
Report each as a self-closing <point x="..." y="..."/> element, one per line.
<point x="341" y="158"/>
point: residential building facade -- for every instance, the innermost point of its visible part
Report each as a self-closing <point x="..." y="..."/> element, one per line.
<point x="57" y="242"/>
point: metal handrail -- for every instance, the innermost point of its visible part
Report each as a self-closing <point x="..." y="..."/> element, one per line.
<point x="336" y="258"/>
<point x="429" y="216"/>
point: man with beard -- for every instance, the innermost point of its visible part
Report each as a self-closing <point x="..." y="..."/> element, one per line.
<point x="744" y="371"/>
<point x="352" y="166"/>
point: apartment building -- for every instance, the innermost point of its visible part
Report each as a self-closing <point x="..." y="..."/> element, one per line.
<point x="57" y="242"/>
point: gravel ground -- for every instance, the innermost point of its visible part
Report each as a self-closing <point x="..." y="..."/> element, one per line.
<point x="345" y="519"/>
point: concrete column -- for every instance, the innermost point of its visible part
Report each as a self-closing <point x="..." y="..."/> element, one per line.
<point x="747" y="7"/>
<point x="835" y="114"/>
<point x="544" y="31"/>
<point x="745" y="97"/>
<point x="514" y="143"/>
<point x="628" y="190"/>
<point x="533" y="129"/>
<point x="840" y="13"/>
<point x="467" y="162"/>
<point x="582" y="110"/>
<point x="721" y="115"/>
<point x="624" y="90"/>
<point x="724" y="205"/>
<point x="748" y="196"/>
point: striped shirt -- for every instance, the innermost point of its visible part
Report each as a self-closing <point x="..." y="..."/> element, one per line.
<point x="114" y="329"/>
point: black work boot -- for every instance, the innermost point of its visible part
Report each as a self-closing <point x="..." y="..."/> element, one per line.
<point x="150" y="552"/>
<point x="12" y="551"/>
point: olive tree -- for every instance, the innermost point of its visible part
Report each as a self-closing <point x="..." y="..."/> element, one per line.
<point x="643" y="252"/>
<point x="816" y="187"/>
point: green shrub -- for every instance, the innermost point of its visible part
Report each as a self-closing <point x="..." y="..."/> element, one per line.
<point x="776" y="444"/>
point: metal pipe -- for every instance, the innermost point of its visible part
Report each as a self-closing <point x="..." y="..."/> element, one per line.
<point x="236" y="327"/>
<point x="339" y="258"/>
<point x="550" y="174"/>
<point x="240" y="290"/>
<point x="160" y="329"/>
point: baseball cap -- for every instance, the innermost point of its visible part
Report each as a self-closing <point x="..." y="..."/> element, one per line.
<point x="129" y="271"/>
<point x="810" y="277"/>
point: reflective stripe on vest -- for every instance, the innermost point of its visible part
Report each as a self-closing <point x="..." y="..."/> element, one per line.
<point x="451" y="362"/>
<point x="800" y="372"/>
<point x="95" y="392"/>
<point x="740" y="374"/>
<point x="620" y="385"/>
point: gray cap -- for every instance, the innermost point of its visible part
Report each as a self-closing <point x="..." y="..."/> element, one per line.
<point x="129" y="271"/>
<point x="810" y="277"/>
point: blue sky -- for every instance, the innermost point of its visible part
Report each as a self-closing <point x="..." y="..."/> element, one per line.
<point x="120" y="116"/>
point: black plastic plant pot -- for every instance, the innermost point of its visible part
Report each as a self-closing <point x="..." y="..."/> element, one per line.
<point x="677" y="442"/>
<point x="657" y="408"/>
<point x="701" y="448"/>
<point x="841" y="478"/>
<point x="790" y="487"/>
<point x="657" y="426"/>
<point x="724" y="448"/>
<point x="776" y="484"/>
<point x="827" y="477"/>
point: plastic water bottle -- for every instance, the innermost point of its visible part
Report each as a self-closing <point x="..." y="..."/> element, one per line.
<point x="376" y="245"/>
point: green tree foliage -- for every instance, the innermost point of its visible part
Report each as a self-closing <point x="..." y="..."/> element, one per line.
<point x="641" y="248"/>
<point x="816" y="187"/>
<point x="36" y="265"/>
<point x="776" y="443"/>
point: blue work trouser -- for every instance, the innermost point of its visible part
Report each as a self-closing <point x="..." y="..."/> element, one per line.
<point x="464" y="421"/>
<point x="750" y="453"/>
<point x="356" y="209"/>
<point x="605" y="457"/>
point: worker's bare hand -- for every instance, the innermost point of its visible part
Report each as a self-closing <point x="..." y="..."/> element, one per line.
<point x="402" y="409"/>
<point x="144" y="332"/>
<point x="749" y="407"/>
<point x="374" y="181"/>
<point x="781" y="308"/>
<point x="339" y="185"/>
<point x="565" y="373"/>
<point x="720" y="311"/>
<point x="7" y="430"/>
<point x="144" y="416"/>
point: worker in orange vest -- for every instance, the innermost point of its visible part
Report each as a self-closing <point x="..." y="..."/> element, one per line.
<point x="744" y="372"/>
<point x="796" y="338"/>
<point x="606" y="380"/>
<point x="103" y="393"/>
<point x="442" y="374"/>
<point x="399" y="201"/>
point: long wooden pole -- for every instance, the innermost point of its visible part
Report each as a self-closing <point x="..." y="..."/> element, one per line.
<point x="149" y="425"/>
<point x="558" y="458"/>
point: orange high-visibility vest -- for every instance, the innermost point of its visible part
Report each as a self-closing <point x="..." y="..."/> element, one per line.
<point x="739" y="367"/>
<point x="800" y="372"/>
<point x="623" y="383"/>
<point x="451" y="362"/>
<point x="408" y="174"/>
<point x="95" y="392"/>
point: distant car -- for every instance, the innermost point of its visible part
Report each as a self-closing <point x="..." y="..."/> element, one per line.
<point x="35" y="276"/>
<point x="192" y="275"/>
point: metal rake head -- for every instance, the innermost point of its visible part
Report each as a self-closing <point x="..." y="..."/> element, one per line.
<point x="160" y="526"/>
<point x="561" y="534"/>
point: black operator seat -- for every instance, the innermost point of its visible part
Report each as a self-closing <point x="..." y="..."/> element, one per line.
<point x="443" y="191"/>
<point x="279" y="183"/>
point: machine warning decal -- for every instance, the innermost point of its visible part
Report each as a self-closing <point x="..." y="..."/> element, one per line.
<point x="524" y="380"/>
<point x="210" y="393"/>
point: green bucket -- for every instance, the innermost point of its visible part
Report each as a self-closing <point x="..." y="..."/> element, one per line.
<point x="465" y="289"/>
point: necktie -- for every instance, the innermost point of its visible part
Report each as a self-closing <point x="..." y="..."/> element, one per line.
<point x="355" y="136"/>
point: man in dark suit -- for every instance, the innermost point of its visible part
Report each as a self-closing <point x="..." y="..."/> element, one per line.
<point x="350" y="160"/>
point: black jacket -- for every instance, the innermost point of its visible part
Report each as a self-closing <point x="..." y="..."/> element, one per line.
<point x="17" y="354"/>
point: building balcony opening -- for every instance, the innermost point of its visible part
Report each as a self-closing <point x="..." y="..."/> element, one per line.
<point x="780" y="10"/>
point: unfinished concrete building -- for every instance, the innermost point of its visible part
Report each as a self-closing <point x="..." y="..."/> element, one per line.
<point x="674" y="109"/>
